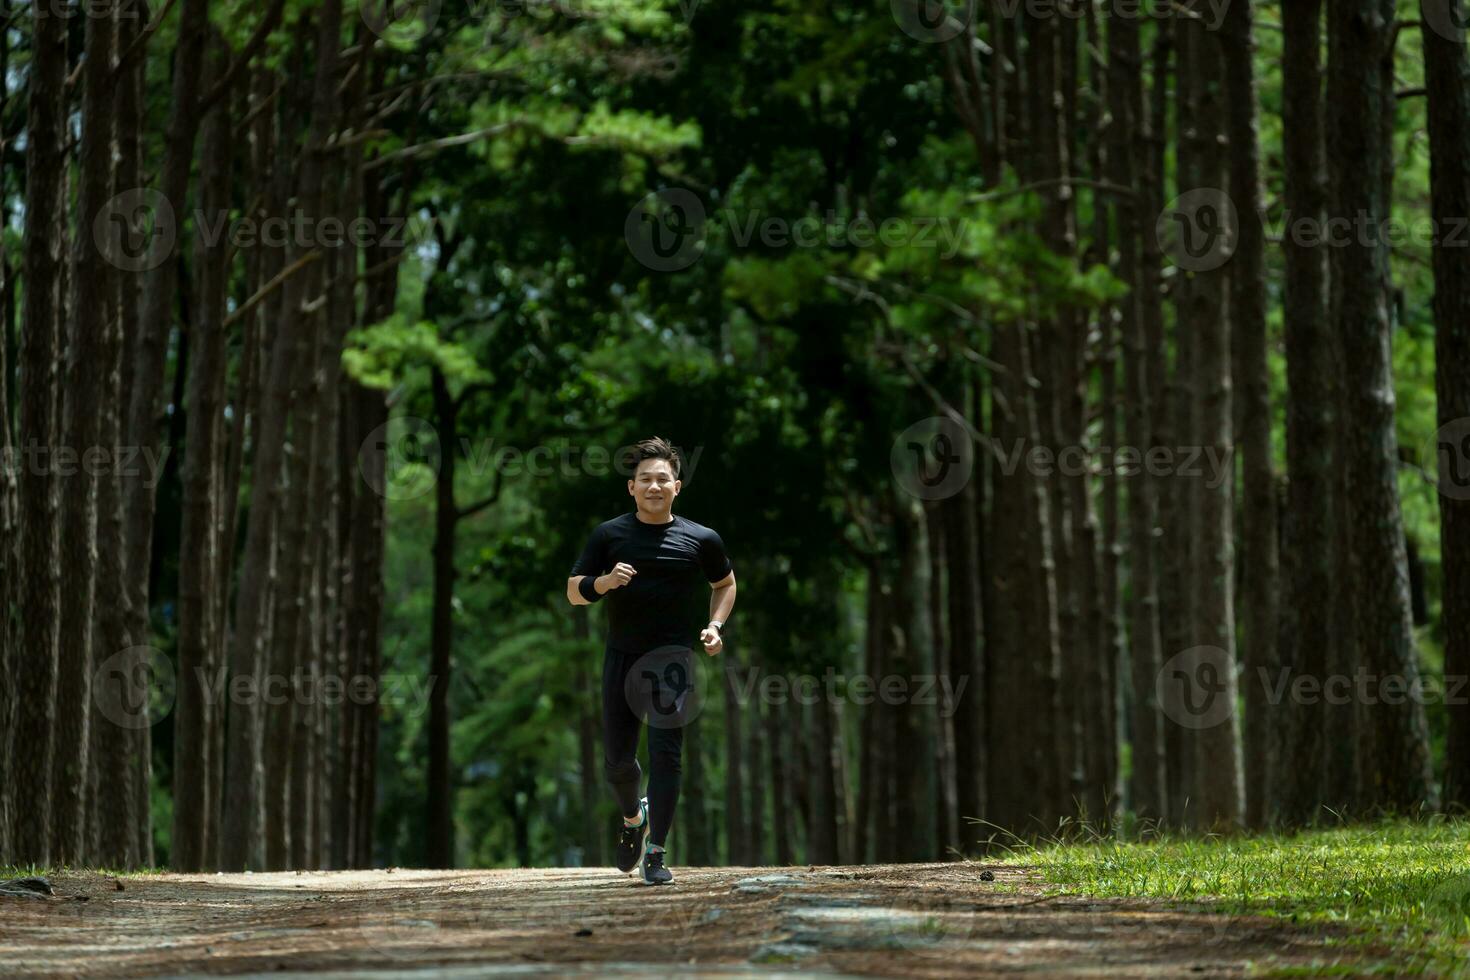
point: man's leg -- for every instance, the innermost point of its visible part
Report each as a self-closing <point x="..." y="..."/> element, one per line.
<point x="665" y="750"/>
<point x="619" y="734"/>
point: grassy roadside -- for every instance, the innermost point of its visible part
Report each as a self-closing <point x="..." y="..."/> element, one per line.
<point x="1404" y="884"/>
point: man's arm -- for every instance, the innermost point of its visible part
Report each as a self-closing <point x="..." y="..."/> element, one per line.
<point x="620" y="576"/>
<point x="575" y="597"/>
<point x="721" y="602"/>
<point x="722" y="599"/>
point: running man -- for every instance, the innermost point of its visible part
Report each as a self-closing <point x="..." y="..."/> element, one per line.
<point x="649" y="563"/>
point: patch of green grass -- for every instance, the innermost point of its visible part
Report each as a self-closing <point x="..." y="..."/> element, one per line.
<point x="28" y="871"/>
<point x="1402" y="883"/>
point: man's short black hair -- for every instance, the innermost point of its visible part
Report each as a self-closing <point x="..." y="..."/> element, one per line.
<point x="656" y="448"/>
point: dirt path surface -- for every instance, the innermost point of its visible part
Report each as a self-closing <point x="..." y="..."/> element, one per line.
<point x="896" y="920"/>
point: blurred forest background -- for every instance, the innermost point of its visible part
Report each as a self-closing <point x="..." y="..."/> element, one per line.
<point x="857" y="260"/>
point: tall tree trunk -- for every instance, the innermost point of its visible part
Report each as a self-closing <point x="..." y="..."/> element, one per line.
<point x="1447" y="79"/>
<point x="365" y="613"/>
<point x="822" y="835"/>
<point x="92" y="347"/>
<point x="946" y="800"/>
<point x="910" y="729"/>
<point x="866" y="824"/>
<point x="243" y="825"/>
<point x="439" y="829"/>
<point x="589" y="756"/>
<point x="1064" y="567"/>
<point x="757" y="832"/>
<point x="1217" y="761"/>
<point x="1252" y="402"/>
<point x="693" y="806"/>
<point x="1178" y="427"/>
<point x="735" y="832"/>
<point x="201" y="576"/>
<point x="39" y="604"/>
<point x="782" y="825"/>
<point x="1125" y="99"/>
<point x="9" y="527"/>
<point x="115" y="815"/>
<point x="1393" y="746"/>
<point x="961" y="516"/>
<point x="1342" y="770"/>
<point x="1308" y="533"/>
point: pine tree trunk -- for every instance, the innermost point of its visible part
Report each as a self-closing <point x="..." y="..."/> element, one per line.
<point x="782" y="832"/>
<point x="1447" y="79"/>
<point x="9" y="527"/>
<point x="1307" y="539"/>
<point x="93" y="346"/>
<point x="1342" y="768"/>
<point x="38" y="601"/>
<point x="243" y="841"/>
<point x="757" y="831"/>
<point x="1178" y="428"/>
<point x="1125" y="98"/>
<point x="1217" y="761"/>
<point x="114" y="815"/>
<point x="365" y="613"/>
<point x="960" y="517"/>
<point x="1252" y="400"/>
<point x="865" y="822"/>
<point x="823" y="835"/>
<point x="910" y="728"/>
<point x="201" y="576"/>
<point x="589" y="755"/>
<point x="439" y="829"/>
<point x="946" y="799"/>
<point x="735" y="830"/>
<point x="150" y="350"/>
<point x="693" y="808"/>
<point x="1393" y="746"/>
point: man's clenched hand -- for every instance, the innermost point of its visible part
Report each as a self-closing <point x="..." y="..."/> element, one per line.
<point x="620" y="576"/>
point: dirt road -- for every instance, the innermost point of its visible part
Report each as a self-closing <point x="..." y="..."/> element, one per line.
<point x="910" y="920"/>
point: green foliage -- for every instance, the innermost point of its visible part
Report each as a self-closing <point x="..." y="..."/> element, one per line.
<point x="377" y="356"/>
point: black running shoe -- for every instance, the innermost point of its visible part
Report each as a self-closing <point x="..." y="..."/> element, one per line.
<point x="632" y="841"/>
<point x="654" y="872"/>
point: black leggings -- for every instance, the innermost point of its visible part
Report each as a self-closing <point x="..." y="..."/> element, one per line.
<point x="621" y="726"/>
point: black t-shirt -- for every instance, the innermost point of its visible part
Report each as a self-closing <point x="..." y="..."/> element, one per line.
<point x="671" y="559"/>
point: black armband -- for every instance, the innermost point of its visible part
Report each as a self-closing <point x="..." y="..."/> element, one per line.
<point x="588" y="588"/>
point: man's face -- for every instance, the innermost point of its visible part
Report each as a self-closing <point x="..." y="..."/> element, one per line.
<point x="653" y="486"/>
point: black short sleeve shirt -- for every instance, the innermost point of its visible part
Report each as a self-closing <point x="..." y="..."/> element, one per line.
<point x="672" y="560"/>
